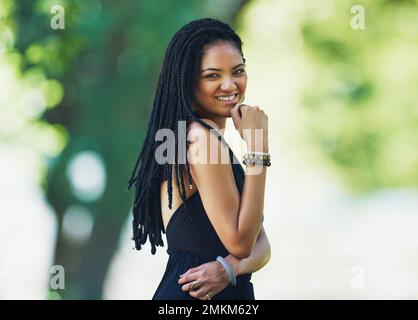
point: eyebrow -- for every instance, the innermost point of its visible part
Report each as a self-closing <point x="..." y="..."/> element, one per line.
<point x="215" y="69"/>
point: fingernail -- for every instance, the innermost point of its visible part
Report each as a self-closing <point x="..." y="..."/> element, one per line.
<point x="181" y="275"/>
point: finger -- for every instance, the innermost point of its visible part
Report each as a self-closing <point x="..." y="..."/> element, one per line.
<point x="191" y="270"/>
<point x="199" y="294"/>
<point x="202" y="297"/>
<point x="235" y="114"/>
<point x="188" y="286"/>
<point x="188" y="278"/>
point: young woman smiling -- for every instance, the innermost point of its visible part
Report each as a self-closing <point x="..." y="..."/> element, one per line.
<point x="214" y="229"/>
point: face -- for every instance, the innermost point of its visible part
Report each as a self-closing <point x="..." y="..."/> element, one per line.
<point x="221" y="83"/>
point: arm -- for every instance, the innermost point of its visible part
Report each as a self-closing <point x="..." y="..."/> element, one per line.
<point x="214" y="276"/>
<point x="258" y="258"/>
<point x="236" y="219"/>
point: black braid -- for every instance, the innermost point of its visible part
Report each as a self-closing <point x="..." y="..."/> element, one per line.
<point x="172" y="103"/>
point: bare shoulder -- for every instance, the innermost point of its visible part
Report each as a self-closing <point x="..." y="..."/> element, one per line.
<point x="199" y="135"/>
<point x="196" y="128"/>
<point x="205" y="146"/>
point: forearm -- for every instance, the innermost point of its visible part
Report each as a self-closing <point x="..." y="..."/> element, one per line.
<point x="258" y="258"/>
<point x="252" y="203"/>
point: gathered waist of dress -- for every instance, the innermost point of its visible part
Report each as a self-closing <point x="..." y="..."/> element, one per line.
<point x="175" y="253"/>
<point x="183" y="252"/>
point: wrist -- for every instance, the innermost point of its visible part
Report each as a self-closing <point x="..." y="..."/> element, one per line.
<point x="263" y="148"/>
<point x="234" y="263"/>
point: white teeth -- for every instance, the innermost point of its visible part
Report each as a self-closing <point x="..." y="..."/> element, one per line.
<point x="226" y="98"/>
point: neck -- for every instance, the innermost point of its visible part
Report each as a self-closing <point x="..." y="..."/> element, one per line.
<point x="220" y="121"/>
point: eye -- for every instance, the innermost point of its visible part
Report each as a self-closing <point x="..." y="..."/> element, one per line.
<point x="239" y="71"/>
<point x="211" y="76"/>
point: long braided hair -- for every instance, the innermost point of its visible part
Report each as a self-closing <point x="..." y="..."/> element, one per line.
<point x="172" y="103"/>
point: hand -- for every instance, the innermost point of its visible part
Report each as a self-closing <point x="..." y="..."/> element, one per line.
<point x="247" y="119"/>
<point x="212" y="275"/>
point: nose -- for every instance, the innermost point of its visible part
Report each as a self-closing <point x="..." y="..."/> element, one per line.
<point x="228" y="85"/>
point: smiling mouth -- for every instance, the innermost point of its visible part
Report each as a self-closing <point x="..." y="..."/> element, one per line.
<point x="227" y="98"/>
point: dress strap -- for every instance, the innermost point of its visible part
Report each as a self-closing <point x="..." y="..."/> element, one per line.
<point x="214" y="130"/>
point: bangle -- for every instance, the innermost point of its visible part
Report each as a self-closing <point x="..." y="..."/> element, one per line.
<point x="231" y="274"/>
<point x="257" y="158"/>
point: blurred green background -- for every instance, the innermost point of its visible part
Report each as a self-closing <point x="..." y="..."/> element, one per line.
<point x="342" y="104"/>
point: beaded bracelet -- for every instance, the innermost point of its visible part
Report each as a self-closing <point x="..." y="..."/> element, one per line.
<point x="254" y="157"/>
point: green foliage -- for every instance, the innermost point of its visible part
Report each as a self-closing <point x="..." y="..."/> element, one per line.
<point x="361" y="104"/>
<point x="87" y="87"/>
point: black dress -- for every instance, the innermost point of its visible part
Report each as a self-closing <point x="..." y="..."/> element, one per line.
<point x="192" y="242"/>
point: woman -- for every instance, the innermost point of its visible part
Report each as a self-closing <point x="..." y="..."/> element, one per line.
<point x="214" y="226"/>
